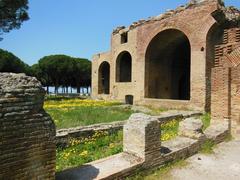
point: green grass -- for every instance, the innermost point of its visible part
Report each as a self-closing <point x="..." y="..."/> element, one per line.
<point x="155" y="111"/>
<point x="86" y="150"/>
<point x="206" y="119"/>
<point x="229" y="138"/>
<point x="62" y="98"/>
<point x="82" y="116"/>
<point x="161" y="173"/>
<point x="207" y="147"/>
<point x="169" y="130"/>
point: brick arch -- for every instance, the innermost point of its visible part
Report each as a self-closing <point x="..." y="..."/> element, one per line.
<point x="124" y="67"/>
<point x="104" y="78"/>
<point x="145" y="39"/>
<point x="167" y="66"/>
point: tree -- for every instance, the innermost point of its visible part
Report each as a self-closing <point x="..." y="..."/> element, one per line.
<point x="82" y="73"/>
<point x="12" y="14"/>
<point x="55" y="69"/>
<point x="11" y="63"/>
<point x="37" y="72"/>
<point x="64" y="71"/>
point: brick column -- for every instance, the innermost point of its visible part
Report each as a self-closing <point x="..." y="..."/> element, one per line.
<point x="27" y="133"/>
<point x="221" y="94"/>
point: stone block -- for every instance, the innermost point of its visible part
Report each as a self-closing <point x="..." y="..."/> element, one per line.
<point x="141" y="136"/>
<point x="191" y="128"/>
<point x="218" y="131"/>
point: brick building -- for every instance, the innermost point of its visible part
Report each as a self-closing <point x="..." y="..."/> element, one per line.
<point x="165" y="60"/>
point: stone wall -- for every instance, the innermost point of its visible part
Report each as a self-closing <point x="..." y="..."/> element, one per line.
<point x="27" y="133"/>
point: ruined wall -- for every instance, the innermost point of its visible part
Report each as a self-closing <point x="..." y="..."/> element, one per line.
<point x="195" y="21"/>
<point x="144" y="150"/>
<point x="226" y="80"/>
<point x="27" y="133"/>
<point x="201" y="22"/>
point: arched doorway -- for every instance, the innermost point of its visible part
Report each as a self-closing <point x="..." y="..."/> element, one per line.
<point x="104" y="78"/>
<point x="124" y="67"/>
<point x="167" y="66"/>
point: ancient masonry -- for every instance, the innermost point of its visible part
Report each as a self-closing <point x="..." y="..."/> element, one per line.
<point x="27" y="135"/>
<point x="143" y="149"/>
<point x="165" y="60"/>
<point x="226" y="80"/>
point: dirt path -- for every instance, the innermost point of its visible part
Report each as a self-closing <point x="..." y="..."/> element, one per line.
<point x="224" y="164"/>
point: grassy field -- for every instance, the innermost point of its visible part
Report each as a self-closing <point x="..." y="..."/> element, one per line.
<point x="89" y="149"/>
<point x="68" y="113"/>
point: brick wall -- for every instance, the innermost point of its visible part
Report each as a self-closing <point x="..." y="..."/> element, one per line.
<point x="197" y="20"/>
<point x="220" y="93"/>
<point x="226" y="80"/>
<point x="27" y="133"/>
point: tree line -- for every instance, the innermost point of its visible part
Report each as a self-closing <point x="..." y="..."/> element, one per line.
<point x="54" y="70"/>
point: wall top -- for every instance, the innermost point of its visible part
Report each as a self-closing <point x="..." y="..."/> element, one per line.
<point x="14" y="81"/>
<point x="196" y="1"/>
<point x="200" y="1"/>
<point x="169" y="13"/>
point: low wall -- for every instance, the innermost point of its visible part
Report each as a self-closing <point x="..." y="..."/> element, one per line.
<point x="27" y="133"/>
<point x="64" y="136"/>
<point x="169" y="104"/>
<point x="143" y="149"/>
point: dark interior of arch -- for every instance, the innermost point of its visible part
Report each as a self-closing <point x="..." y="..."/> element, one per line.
<point x="168" y="63"/>
<point x="124" y="67"/>
<point x="104" y="78"/>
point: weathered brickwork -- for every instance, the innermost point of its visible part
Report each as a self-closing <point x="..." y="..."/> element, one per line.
<point x="143" y="149"/>
<point x="226" y="80"/>
<point x="144" y="129"/>
<point x="220" y="93"/>
<point x="27" y="133"/>
<point x="180" y="74"/>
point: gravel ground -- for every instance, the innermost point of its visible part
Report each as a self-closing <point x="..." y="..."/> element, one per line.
<point x="223" y="164"/>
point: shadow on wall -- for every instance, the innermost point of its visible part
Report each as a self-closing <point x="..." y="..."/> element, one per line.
<point x="87" y="172"/>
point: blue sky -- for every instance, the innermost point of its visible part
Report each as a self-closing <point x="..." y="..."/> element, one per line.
<point x="78" y="28"/>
